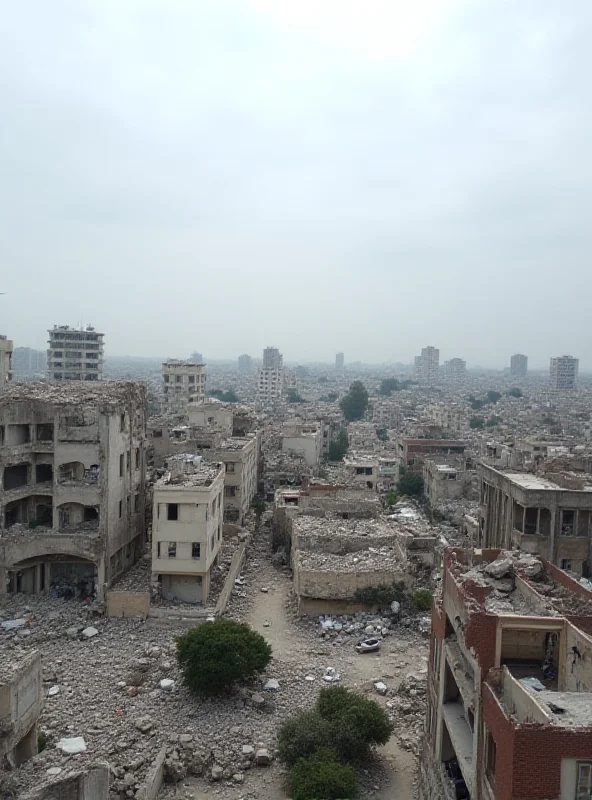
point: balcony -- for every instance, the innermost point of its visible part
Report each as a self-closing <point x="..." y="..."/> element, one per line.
<point x="461" y="739"/>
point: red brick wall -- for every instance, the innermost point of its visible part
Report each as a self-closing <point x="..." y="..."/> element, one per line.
<point x="538" y="750"/>
<point x="480" y="635"/>
<point x="566" y="580"/>
<point x="503" y="735"/>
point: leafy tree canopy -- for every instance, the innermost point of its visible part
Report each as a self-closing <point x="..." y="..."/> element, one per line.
<point x="355" y="402"/>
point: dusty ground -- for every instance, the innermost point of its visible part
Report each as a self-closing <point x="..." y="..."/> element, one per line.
<point x="296" y="643"/>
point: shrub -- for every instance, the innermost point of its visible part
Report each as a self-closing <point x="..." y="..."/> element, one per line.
<point x="382" y="595"/>
<point x="302" y="735"/>
<point x="356" y="723"/>
<point x="321" y="776"/>
<point x="409" y="483"/>
<point x="215" y="655"/>
<point x="422" y="599"/>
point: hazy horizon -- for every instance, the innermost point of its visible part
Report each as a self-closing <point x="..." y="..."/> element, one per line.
<point x="323" y="176"/>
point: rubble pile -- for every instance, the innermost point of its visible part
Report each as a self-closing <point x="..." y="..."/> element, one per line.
<point x="407" y="709"/>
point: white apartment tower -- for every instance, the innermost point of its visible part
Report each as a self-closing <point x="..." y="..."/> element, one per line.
<point x="5" y="361"/>
<point x="339" y="362"/>
<point x="518" y="366"/>
<point x="564" y="372"/>
<point x="456" y="370"/>
<point x="270" y="385"/>
<point x="183" y="382"/>
<point x="428" y="364"/>
<point x="75" y="354"/>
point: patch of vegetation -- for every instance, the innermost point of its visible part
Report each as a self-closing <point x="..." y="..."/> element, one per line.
<point x="321" y="775"/>
<point x="230" y="396"/>
<point x="382" y="434"/>
<point x="493" y="421"/>
<point x="515" y="392"/>
<point x="493" y="396"/>
<point x="355" y="402"/>
<point x="42" y="741"/>
<point x="391" y="498"/>
<point x="390" y="385"/>
<point x="409" y="483"/>
<point x="421" y="599"/>
<point x="338" y="447"/>
<point x="293" y="396"/>
<point x="382" y="595"/>
<point x="216" y="655"/>
<point x="476" y="422"/>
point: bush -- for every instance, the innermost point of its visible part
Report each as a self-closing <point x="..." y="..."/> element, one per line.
<point x="322" y="777"/>
<point x="382" y="595"/>
<point x="422" y="599"/>
<point x="409" y="483"/>
<point x="302" y="735"/>
<point x="356" y="723"/>
<point x="476" y="422"/>
<point x="215" y="655"/>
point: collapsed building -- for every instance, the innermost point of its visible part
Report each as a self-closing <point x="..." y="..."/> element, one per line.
<point x="303" y="439"/>
<point x="72" y="485"/>
<point x="21" y="701"/>
<point x="549" y="513"/>
<point x="509" y="681"/>
<point x="187" y="528"/>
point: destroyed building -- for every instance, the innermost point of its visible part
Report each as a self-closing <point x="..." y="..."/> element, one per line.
<point x="5" y="361"/>
<point x="304" y="439"/>
<point x="451" y="480"/>
<point x="75" y="354"/>
<point x="548" y="513"/>
<point x="183" y="383"/>
<point x="509" y="681"/>
<point x="21" y="700"/>
<point x="413" y="452"/>
<point x="72" y="485"/>
<point x="187" y="518"/>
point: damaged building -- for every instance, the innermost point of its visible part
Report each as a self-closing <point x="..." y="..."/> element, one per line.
<point x="72" y="485"/>
<point x="509" y="681"/>
<point x="549" y="513"/>
<point x="183" y="383"/>
<point x="21" y="701"/>
<point x="187" y="518"/>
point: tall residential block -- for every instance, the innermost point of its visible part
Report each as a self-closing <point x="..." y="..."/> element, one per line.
<point x="72" y="485"/>
<point x="183" y="383"/>
<point x="75" y="354"/>
<point x="245" y="364"/>
<point x="27" y="362"/>
<point x="271" y="380"/>
<point x="564" y="372"/>
<point x="339" y="361"/>
<point x="187" y="517"/>
<point x="5" y="361"/>
<point x="456" y="370"/>
<point x="518" y="366"/>
<point x="427" y="364"/>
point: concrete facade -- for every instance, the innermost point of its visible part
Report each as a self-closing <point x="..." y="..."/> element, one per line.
<point x="445" y="481"/>
<point x="304" y="439"/>
<point x="563" y="372"/>
<point x="362" y="470"/>
<point x="455" y="370"/>
<point x="413" y="452"/>
<point x="187" y="518"/>
<point x="72" y="485"/>
<point x="518" y="366"/>
<point x="549" y="514"/>
<point x="183" y="384"/>
<point x="21" y="701"/>
<point x="75" y="354"/>
<point x="427" y="365"/>
<point x="499" y="738"/>
<point x="5" y="361"/>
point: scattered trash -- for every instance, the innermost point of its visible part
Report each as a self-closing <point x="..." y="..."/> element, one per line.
<point x="272" y="685"/>
<point x="368" y="646"/>
<point x="89" y="632"/>
<point x="381" y="688"/>
<point x="72" y="745"/>
<point x="331" y="675"/>
<point x="13" y="624"/>
<point x="53" y="690"/>
<point x="167" y="685"/>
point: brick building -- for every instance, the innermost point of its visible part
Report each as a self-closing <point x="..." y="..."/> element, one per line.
<point x="509" y="681"/>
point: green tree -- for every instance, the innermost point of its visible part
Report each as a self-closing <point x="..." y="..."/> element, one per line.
<point x="493" y="396"/>
<point x="338" y="447"/>
<point x="292" y="396"/>
<point x="391" y="498"/>
<point x="476" y="404"/>
<point x="382" y="434"/>
<point x="493" y="421"/>
<point x="476" y="422"/>
<point x="302" y="735"/>
<point x="409" y="483"/>
<point x="215" y="655"/>
<point x="321" y="776"/>
<point x="229" y="396"/>
<point x="258" y="506"/>
<point x="355" y="402"/>
<point x="515" y="392"/>
<point x="358" y="723"/>
<point x="422" y="599"/>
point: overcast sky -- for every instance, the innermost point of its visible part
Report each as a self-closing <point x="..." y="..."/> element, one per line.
<point x="319" y="175"/>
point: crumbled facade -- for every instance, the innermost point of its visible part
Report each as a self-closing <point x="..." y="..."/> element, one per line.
<point x="21" y="701"/>
<point x="183" y="383"/>
<point x="5" y="361"/>
<point x="187" y="518"/>
<point x="509" y="681"/>
<point x="305" y="439"/>
<point x="72" y="485"/>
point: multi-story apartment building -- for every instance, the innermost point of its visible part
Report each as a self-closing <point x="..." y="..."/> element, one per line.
<point x="183" y="383"/>
<point x="413" y="452"/>
<point x="448" y="416"/>
<point x="455" y="370"/>
<point x="362" y="469"/>
<point x="339" y="362"/>
<point x="304" y="439"/>
<point x="427" y="365"/>
<point x="271" y="380"/>
<point x="245" y="364"/>
<point x="187" y="528"/>
<point x="518" y="366"/>
<point x="240" y="456"/>
<point x="509" y="682"/>
<point x="75" y="354"/>
<point x="28" y="362"/>
<point x="563" y="372"/>
<point x="5" y="361"/>
<point x="72" y="485"/>
<point x="548" y="513"/>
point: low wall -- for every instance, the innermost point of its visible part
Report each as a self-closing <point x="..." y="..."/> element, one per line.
<point x="151" y="787"/>
<point x="313" y="606"/>
<point x="128" y="604"/>
<point x="520" y="703"/>
<point x="235" y="567"/>
<point x="92" y="783"/>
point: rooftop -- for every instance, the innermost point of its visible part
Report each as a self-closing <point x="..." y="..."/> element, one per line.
<point x="334" y="526"/>
<point x="188" y="470"/>
<point x="101" y="394"/>
<point x="563" y="480"/>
